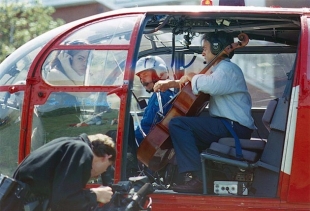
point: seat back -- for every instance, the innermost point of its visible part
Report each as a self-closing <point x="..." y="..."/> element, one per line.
<point x="272" y="153"/>
<point x="269" y="165"/>
<point x="269" y="112"/>
<point x="251" y="148"/>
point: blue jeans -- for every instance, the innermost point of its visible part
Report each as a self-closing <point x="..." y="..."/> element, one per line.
<point x="189" y="134"/>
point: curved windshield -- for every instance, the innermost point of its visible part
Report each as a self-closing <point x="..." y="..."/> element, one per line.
<point x="13" y="71"/>
<point x="16" y="66"/>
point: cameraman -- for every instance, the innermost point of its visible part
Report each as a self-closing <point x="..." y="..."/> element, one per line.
<point x="58" y="172"/>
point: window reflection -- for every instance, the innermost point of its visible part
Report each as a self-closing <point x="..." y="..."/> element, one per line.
<point x="63" y="115"/>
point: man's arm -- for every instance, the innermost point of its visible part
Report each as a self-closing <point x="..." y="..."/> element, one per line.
<point x="162" y="86"/>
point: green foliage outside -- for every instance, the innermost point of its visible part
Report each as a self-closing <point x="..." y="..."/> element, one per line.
<point x="21" y="22"/>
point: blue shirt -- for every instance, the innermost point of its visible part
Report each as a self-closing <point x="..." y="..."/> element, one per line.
<point x="150" y="116"/>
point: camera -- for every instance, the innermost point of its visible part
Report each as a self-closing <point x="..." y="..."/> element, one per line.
<point x="130" y="195"/>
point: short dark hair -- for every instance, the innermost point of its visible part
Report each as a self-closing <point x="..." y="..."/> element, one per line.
<point x="224" y="38"/>
<point x="103" y="145"/>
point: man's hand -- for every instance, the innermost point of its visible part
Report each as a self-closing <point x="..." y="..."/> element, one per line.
<point x="164" y="85"/>
<point x="183" y="80"/>
<point x="186" y="78"/>
<point x="104" y="193"/>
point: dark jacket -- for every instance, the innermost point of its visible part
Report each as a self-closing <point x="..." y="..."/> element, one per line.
<point x="60" y="171"/>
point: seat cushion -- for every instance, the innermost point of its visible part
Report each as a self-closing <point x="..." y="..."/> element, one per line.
<point x="247" y="155"/>
<point x="231" y="151"/>
<point x="221" y="148"/>
<point x="251" y="144"/>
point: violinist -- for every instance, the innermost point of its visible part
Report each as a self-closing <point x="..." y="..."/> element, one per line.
<point x="229" y="101"/>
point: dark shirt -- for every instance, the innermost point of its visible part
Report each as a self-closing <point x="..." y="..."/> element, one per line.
<point x="60" y="170"/>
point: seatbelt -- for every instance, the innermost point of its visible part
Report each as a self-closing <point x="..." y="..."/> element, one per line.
<point x="138" y="122"/>
<point x="237" y="141"/>
<point x="160" y="104"/>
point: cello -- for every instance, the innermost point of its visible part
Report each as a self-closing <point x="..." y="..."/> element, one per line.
<point x="156" y="148"/>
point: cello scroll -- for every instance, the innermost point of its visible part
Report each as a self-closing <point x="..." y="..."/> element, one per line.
<point x="243" y="41"/>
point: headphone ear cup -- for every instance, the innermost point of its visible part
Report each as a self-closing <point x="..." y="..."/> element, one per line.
<point x="216" y="46"/>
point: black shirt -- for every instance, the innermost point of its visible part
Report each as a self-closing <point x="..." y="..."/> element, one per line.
<point x="60" y="170"/>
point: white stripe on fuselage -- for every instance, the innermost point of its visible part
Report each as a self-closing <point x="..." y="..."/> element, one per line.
<point x="290" y="133"/>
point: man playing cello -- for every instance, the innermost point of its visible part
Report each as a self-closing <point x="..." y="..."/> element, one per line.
<point x="229" y="101"/>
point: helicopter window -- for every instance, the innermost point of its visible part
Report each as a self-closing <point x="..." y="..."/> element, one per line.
<point x="94" y="67"/>
<point x="10" y="119"/>
<point x="114" y="31"/>
<point x="19" y="70"/>
<point x="66" y="115"/>
<point x="265" y="74"/>
<point x="16" y="66"/>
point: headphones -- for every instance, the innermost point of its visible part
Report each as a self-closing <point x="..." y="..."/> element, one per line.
<point x="215" y="44"/>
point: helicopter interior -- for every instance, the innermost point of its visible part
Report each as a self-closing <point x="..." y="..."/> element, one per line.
<point x="268" y="63"/>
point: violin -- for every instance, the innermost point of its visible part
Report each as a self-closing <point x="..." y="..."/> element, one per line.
<point x="156" y="149"/>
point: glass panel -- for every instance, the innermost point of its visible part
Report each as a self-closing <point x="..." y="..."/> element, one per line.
<point x="184" y="41"/>
<point x="266" y="75"/>
<point x="10" y="116"/>
<point x="83" y="67"/>
<point x="67" y="115"/>
<point x="197" y="65"/>
<point x="18" y="71"/>
<point x="116" y="31"/>
<point x="16" y="66"/>
<point x="164" y="39"/>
